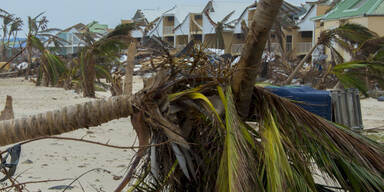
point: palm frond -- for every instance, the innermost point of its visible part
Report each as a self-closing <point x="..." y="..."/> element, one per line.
<point x="354" y="33"/>
<point x="227" y="17"/>
<point x="235" y="172"/>
<point x="122" y="30"/>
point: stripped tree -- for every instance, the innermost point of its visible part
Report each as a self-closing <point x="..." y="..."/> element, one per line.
<point x="249" y="65"/>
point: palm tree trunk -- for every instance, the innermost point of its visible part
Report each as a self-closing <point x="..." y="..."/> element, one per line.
<point x="299" y="66"/>
<point x="14" y="42"/>
<point x="67" y="119"/>
<point x="250" y="63"/>
<point x="3" y="51"/>
<point x="29" y="48"/>
<point x="89" y="76"/>
<point x="129" y="69"/>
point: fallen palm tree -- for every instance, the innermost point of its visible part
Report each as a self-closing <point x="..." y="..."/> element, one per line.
<point x="207" y="142"/>
<point x="194" y="139"/>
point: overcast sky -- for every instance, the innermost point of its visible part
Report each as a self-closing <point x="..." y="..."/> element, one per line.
<point x="65" y="13"/>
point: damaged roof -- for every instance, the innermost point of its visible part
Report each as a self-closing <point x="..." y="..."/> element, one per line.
<point x="355" y="8"/>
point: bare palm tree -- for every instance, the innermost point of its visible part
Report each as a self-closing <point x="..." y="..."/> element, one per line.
<point x="249" y="65"/>
<point x="38" y="28"/>
<point x="128" y="83"/>
<point x="16" y="26"/>
<point x="7" y="20"/>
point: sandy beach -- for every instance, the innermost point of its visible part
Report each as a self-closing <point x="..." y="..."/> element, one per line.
<point x="57" y="159"/>
<point x="53" y="159"/>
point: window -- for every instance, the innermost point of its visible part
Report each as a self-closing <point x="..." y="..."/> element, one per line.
<point x="289" y="38"/>
<point x="306" y="34"/>
<point x="198" y="17"/>
<point x="171" y="18"/>
<point x="197" y="37"/>
<point x="169" y="39"/>
<point x="289" y="43"/>
<point x="240" y="36"/>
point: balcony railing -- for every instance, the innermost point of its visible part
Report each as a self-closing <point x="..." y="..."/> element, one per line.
<point x="237" y="49"/>
<point x="303" y="47"/>
<point x="168" y="30"/>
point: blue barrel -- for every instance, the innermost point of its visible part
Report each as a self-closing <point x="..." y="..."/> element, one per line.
<point x="315" y="101"/>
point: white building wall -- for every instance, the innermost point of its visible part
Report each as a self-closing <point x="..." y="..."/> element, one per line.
<point x="208" y="28"/>
<point x="137" y="34"/>
<point x="184" y="28"/>
<point x="307" y="24"/>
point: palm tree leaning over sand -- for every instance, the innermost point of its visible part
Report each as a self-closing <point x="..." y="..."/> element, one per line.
<point x="198" y="135"/>
<point x="108" y="46"/>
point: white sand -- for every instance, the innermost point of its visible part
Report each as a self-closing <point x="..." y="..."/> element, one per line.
<point x="373" y="113"/>
<point x="52" y="159"/>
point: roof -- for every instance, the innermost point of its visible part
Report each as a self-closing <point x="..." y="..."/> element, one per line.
<point x="96" y="27"/>
<point x="152" y="14"/>
<point x="355" y="8"/>
<point x="78" y="27"/>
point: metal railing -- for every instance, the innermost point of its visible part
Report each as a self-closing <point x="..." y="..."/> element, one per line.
<point x="303" y="47"/>
<point x="168" y="30"/>
<point x="237" y="49"/>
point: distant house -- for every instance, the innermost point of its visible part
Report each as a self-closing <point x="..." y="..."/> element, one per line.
<point x="169" y="20"/>
<point x="72" y="44"/>
<point x="183" y="23"/>
<point x="296" y="31"/>
<point x="190" y="28"/>
<point x="368" y="13"/>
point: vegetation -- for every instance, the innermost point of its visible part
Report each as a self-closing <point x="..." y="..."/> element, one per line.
<point x="204" y="128"/>
<point x="96" y="50"/>
<point x="365" y="65"/>
<point x="10" y="27"/>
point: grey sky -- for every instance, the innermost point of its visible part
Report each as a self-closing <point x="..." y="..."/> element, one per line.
<point x="65" y="13"/>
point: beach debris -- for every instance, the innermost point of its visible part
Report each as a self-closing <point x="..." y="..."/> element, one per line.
<point x="22" y="66"/>
<point x="61" y="187"/>
<point x="28" y="161"/>
<point x="14" y="153"/>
